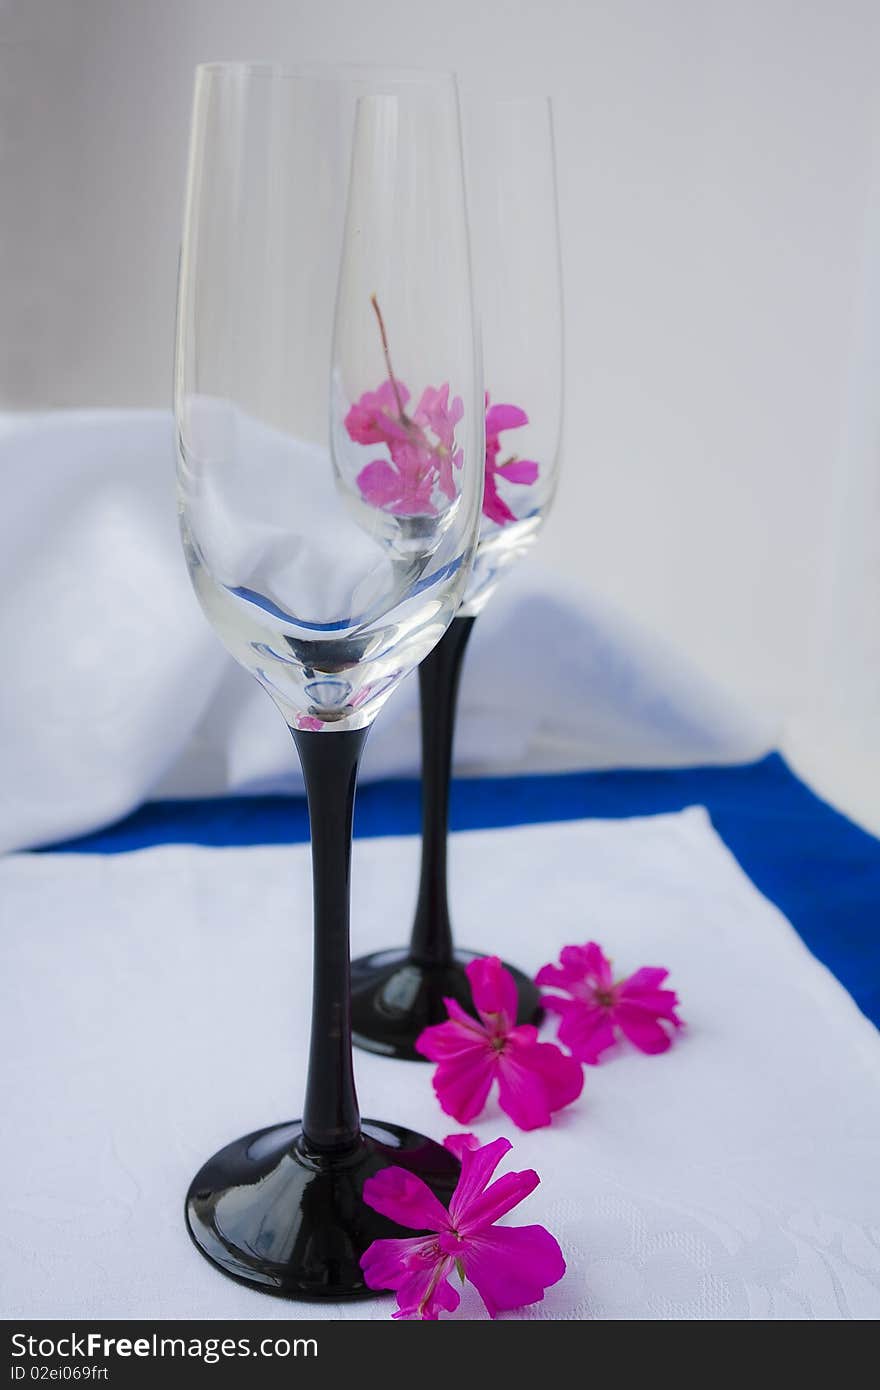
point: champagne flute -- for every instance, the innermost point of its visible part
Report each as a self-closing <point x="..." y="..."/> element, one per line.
<point x="325" y="235"/>
<point x="514" y="229"/>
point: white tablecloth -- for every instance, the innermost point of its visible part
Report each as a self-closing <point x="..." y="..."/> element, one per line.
<point x="153" y="1007"/>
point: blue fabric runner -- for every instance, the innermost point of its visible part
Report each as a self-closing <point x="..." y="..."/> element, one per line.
<point x="819" y="868"/>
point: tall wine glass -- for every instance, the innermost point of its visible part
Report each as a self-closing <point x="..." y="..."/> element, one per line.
<point x="325" y="239"/>
<point x="514" y="232"/>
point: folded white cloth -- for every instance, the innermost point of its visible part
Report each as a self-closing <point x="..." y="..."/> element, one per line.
<point x="154" y="1006"/>
<point x="115" y="688"/>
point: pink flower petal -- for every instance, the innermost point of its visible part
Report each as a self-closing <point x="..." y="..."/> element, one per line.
<point x="649" y="977"/>
<point x="440" y="1041"/>
<point x="581" y="971"/>
<point x="494" y="507"/>
<point x="423" y="1294"/>
<point x="660" y="1002"/>
<point x="393" y="431"/>
<point x="518" y="471"/>
<point x="512" y="1266"/>
<point x="552" y="976"/>
<point x="431" y="402"/>
<point x="462" y="1082"/>
<point x="494" y="991"/>
<point x="376" y="413"/>
<point x="499" y="1198"/>
<point x="588" y="961"/>
<point x="413" y="456"/>
<point x="379" y="483"/>
<point x="477" y="1167"/>
<point x="436" y="412"/>
<point x="524" y="1034"/>
<point x="642" y="1030"/>
<point x="504" y="417"/>
<point x="554" y="1002"/>
<point x="460" y="1144"/>
<point x="404" y="1198"/>
<point x="417" y="1269"/>
<point x="461" y="1016"/>
<point x="563" y="1076"/>
<point x="522" y="1094"/>
<point x="387" y="1263"/>
<point x="643" y="990"/>
<point x="532" y="1078"/>
<point x="586" y="1030"/>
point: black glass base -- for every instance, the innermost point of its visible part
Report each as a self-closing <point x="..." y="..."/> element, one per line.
<point x="270" y="1214"/>
<point x="393" y="999"/>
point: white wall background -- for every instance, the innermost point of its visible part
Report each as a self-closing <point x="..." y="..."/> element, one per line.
<point x="720" y="203"/>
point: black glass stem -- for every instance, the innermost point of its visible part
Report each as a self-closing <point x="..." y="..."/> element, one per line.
<point x="330" y="761"/>
<point x="439" y="678"/>
<point x="282" y="1209"/>
<point x="396" y="994"/>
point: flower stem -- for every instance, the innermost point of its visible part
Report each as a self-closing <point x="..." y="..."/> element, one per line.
<point x="387" y="354"/>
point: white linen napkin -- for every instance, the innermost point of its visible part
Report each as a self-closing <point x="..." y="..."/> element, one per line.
<point x="154" y="1005"/>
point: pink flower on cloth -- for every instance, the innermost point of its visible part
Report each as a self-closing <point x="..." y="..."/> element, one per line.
<point x="598" y="1005"/>
<point x="534" y="1078"/>
<point x="512" y="470"/>
<point x="510" y="1266"/>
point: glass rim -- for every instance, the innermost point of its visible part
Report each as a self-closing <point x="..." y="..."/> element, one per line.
<point x="327" y="72"/>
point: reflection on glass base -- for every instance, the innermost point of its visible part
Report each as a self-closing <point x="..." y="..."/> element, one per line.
<point x="270" y="1214"/>
<point x="394" y="999"/>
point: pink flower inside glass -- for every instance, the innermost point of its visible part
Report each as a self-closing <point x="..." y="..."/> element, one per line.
<point x="422" y="447"/>
<point x="424" y="454"/>
<point x="500" y="418"/>
<point x="510" y="1266"/>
